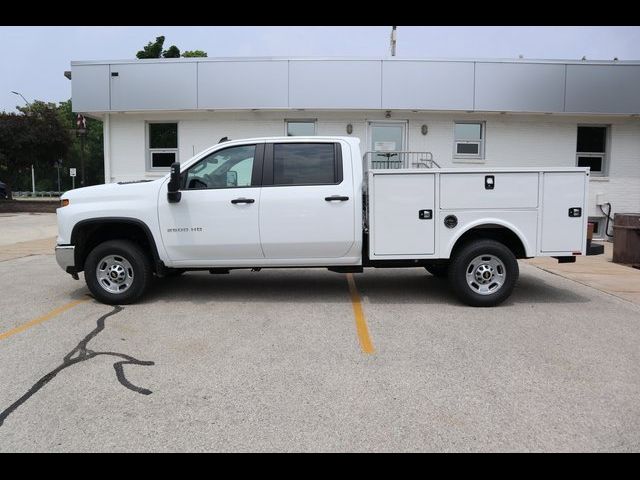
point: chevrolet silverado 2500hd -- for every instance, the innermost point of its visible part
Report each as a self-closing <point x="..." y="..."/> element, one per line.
<point x="316" y="202"/>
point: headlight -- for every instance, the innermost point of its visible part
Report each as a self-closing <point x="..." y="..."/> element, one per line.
<point x="64" y="202"/>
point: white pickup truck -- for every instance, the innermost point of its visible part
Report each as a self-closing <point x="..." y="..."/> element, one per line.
<point x="316" y="202"/>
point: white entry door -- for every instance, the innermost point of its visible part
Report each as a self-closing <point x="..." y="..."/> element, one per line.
<point x="386" y="139"/>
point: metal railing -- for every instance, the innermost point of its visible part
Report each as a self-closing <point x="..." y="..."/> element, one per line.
<point x="38" y="194"/>
<point x="398" y="160"/>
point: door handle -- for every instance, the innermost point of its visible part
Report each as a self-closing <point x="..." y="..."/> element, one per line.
<point x="339" y="198"/>
<point x="575" y="212"/>
<point x="425" y="214"/>
<point x="242" y="200"/>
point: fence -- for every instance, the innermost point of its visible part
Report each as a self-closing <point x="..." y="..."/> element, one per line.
<point x="36" y="194"/>
<point x="399" y="160"/>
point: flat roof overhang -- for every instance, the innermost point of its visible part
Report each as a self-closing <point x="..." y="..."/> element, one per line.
<point x="273" y="83"/>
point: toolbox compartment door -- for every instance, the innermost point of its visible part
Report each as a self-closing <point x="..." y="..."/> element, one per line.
<point x="488" y="190"/>
<point x="403" y="217"/>
<point x="563" y="227"/>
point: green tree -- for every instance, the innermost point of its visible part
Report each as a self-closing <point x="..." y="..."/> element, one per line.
<point x="172" y="52"/>
<point x="152" y="50"/>
<point x="35" y="136"/>
<point x="194" y="53"/>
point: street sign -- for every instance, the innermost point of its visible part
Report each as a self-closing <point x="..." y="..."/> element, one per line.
<point x="72" y="172"/>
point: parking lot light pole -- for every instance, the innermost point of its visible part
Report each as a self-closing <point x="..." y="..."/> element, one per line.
<point x="20" y="95"/>
<point x="33" y="180"/>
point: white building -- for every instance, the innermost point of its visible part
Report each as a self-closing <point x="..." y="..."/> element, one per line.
<point x="489" y="112"/>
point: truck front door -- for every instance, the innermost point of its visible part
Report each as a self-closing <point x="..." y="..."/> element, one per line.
<point x="307" y="201"/>
<point x="216" y="218"/>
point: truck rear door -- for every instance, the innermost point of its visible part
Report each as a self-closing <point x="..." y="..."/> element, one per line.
<point x="307" y="201"/>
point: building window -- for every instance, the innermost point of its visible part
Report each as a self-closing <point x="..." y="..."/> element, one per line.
<point x="591" y="150"/>
<point x="299" y="128"/>
<point x="162" y="144"/>
<point x="305" y="164"/>
<point x="469" y="140"/>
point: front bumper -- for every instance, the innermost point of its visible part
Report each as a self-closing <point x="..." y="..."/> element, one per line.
<point x="65" y="256"/>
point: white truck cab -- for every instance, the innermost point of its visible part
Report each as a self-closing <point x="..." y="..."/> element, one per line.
<point x="317" y="202"/>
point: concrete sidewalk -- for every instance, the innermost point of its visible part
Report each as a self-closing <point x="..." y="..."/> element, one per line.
<point x="24" y="234"/>
<point x="22" y="227"/>
<point x="597" y="271"/>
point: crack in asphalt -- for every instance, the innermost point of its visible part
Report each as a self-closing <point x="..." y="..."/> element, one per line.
<point x="80" y="354"/>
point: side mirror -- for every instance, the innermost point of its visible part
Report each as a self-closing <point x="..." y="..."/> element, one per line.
<point x="232" y="178"/>
<point x="173" y="187"/>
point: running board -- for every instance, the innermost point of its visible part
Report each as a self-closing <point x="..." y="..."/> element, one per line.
<point x="347" y="269"/>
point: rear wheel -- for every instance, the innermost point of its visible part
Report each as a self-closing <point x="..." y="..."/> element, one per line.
<point x="117" y="272"/>
<point x="483" y="273"/>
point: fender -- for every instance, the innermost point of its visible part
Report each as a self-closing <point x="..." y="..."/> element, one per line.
<point x="122" y="220"/>
<point x="490" y="221"/>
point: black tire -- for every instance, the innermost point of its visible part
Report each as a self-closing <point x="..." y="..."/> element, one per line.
<point x="134" y="255"/>
<point x="462" y="262"/>
<point x="438" y="270"/>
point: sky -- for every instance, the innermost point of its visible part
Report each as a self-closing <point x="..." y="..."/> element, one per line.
<point x="35" y="58"/>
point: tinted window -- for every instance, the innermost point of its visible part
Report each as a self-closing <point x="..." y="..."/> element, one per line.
<point x="228" y="168"/>
<point x="594" y="163"/>
<point x="468" y="148"/>
<point x="163" y="135"/>
<point x="162" y="159"/>
<point x="304" y="163"/>
<point x="591" y="139"/>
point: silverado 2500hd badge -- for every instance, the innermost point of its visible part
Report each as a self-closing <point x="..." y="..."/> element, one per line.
<point x="185" y="229"/>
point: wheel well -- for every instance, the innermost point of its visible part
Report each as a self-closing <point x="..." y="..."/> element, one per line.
<point x="87" y="235"/>
<point x="495" y="232"/>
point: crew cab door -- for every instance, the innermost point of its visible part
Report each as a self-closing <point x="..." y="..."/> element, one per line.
<point x="307" y="201"/>
<point x="216" y="218"/>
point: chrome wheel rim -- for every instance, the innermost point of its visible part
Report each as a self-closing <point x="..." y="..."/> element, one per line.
<point x="114" y="274"/>
<point x="486" y="274"/>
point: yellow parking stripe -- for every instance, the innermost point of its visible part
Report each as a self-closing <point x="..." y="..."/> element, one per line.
<point x="42" y="318"/>
<point x="361" y="324"/>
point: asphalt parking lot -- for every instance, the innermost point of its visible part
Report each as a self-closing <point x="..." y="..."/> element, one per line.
<point x="292" y="360"/>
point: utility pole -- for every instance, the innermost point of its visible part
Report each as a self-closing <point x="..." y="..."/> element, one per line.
<point x="58" y="165"/>
<point x="82" y="178"/>
<point x="81" y="131"/>
<point x="33" y="181"/>
<point x="394" y="38"/>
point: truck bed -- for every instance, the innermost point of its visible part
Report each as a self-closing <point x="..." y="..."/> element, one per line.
<point x="422" y="212"/>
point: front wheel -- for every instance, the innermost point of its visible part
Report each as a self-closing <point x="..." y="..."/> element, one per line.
<point x="483" y="273"/>
<point x="117" y="272"/>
